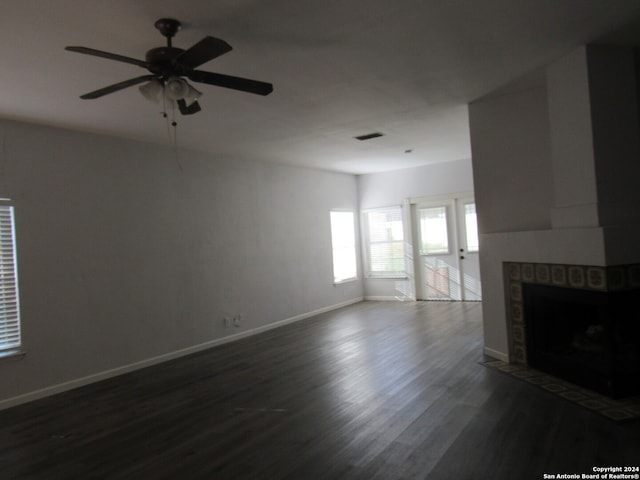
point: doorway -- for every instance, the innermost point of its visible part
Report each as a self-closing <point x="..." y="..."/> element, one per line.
<point x="445" y="239"/>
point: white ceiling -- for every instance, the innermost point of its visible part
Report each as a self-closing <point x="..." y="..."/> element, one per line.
<point x="340" y="68"/>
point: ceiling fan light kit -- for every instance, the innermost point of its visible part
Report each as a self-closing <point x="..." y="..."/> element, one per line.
<point x="176" y="88"/>
<point x="168" y="65"/>
<point x="167" y="94"/>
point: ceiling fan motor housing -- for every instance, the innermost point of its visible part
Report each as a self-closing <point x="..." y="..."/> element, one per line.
<point x="168" y="27"/>
<point x="161" y="61"/>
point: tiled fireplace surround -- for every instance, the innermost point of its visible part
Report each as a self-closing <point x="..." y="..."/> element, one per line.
<point x="584" y="277"/>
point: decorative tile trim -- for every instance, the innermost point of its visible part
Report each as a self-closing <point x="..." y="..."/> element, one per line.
<point x="559" y="275"/>
<point x="528" y="272"/>
<point x="576" y="277"/>
<point x="583" y="277"/>
<point x="597" y="278"/>
<point x="514" y="271"/>
<point x="542" y="274"/>
<point x="618" y="410"/>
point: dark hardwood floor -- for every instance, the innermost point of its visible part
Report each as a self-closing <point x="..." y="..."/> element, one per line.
<point x="377" y="390"/>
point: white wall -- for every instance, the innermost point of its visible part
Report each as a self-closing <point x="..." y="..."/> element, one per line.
<point x="392" y="188"/>
<point x="125" y="257"/>
<point x="510" y="141"/>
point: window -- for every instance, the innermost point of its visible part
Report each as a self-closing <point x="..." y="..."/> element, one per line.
<point x="9" y="310"/>
<point x="343" y="240"/>
<point x="471" y="227"/>
<point x="433" y="231"/>
<point x="384" y="242"/>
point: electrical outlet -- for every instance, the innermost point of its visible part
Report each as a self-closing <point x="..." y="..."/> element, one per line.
<point x="236" y="320"/>
<point x="227" y="322"/>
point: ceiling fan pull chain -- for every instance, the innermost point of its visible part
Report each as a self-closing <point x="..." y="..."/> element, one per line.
<point x="173" y="136"/>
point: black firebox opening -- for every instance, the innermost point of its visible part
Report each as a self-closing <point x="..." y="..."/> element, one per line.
<point x="589" y="338"/>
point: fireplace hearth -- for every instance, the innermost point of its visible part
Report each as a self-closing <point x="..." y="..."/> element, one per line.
<point x="579" y="323"/>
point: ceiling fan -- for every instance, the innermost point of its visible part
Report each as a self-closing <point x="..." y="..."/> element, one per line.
<point x="168" y="65"/>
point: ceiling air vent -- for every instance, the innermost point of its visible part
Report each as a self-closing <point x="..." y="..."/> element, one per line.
<point x="369" y="136"/>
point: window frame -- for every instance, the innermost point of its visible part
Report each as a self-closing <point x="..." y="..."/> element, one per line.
<point x="10" y="324"/>
<point x="367" y="243"/>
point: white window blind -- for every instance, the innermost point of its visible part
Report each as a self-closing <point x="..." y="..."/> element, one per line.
<point x="385" y="242"/>
<point x="343" y="241"/>
<point x="9" y="309"/>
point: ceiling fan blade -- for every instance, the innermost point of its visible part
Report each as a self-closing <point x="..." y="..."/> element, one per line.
<point x="228" y="81"/>
<point x="110" y="56"/>
<point x="188" y="109"/>
<point x="206" y="49"/>
<point x="116" y="86"/>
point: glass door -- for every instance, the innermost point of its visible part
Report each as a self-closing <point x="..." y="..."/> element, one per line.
<point x="469" y="248"/>
<point x="437" y="247"/>
<point x="446" y="235"/>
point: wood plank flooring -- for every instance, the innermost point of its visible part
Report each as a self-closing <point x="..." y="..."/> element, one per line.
<point x="377" y="390"/>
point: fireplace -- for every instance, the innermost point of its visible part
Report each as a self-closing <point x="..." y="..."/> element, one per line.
<point x="579" y="323"/>
<point x="590" y="338"/>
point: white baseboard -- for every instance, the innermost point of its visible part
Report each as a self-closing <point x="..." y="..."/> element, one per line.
<point x="104" y="375"/>
<point x="496" y="354"/>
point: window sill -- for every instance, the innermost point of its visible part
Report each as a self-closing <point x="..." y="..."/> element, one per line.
<point x="12" y="355"/>
<point x="388" y="277"/>
<point x="346" y="280"/>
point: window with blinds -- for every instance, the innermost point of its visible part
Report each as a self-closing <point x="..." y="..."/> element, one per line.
<point x="9" y="308"/>
<point x="384" y="237"/>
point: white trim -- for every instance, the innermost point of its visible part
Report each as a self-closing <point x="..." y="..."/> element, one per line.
<point x="439" y="198"/>
<point x="346" y="280"/>
<point x="14" y="354"/>
<point x="388" y="277"/>
<point x="80" y="382"/>
<point x="496" y="354"/>
<point x="387" y="298"/>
